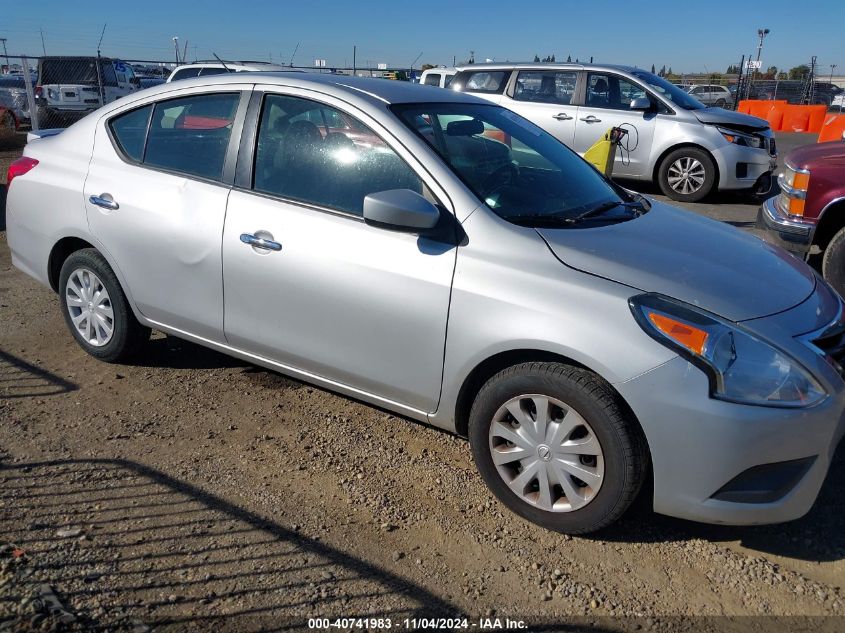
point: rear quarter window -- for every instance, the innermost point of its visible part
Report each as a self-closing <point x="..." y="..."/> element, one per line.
<point x="129" y="131"/>
<point x="486" y="81"/>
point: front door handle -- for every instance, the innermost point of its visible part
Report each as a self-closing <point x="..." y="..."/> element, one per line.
<point x="563" y="116"/>
<point x="105" y="201"/>
<point x="263" y="243"/>
<point x="591" y="119"/>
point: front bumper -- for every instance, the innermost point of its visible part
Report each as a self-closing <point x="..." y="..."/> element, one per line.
<point x="744" y="167"/>
<point x="700" y="445"/>
<point x="794" y="235"/>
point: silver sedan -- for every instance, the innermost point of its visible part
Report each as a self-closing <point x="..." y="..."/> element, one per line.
<point x="442" y="257"/>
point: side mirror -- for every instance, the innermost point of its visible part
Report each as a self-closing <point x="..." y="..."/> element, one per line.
<point x="400" y="210"/>
<point x="641" y="103"/>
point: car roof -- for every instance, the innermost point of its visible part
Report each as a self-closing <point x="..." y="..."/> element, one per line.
<point x="225" y="64"/>
<point x="546" y="66"/>
<point x="377" y="91"/>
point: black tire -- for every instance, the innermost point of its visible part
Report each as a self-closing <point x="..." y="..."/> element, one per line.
<point x="626" y="461"/>
<point x="833" y="262"/>
<point x="720" y="103"/>
<point x="692" y="153"/>
<point x="128" y="334"/>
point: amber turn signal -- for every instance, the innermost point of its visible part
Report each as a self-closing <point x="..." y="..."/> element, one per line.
<point x="684" y="334"/>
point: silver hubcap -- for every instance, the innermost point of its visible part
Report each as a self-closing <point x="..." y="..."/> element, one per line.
<point x="686" y="175"/>
<point x="89" y="306"/>
<point x="546" y="453"/>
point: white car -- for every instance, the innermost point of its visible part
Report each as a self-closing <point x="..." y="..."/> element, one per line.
<point x="203" y="69"/>
<point x="440" y="77"/>
<point x="838" y="101"/>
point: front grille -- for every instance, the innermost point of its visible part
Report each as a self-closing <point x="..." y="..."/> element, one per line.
<point x="831" y="343"/>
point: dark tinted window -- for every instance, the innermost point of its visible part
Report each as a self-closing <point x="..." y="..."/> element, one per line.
<point x="432" y="79"/>
<point x="67" y="71"/>
<point x="314" y="153"/>
<point x="448" y="80"/>
<point x="613" y="92"/>
<point x="129" y="131"/>
<point x="186" y="73"/>
<point x="545" y="86"/>
<point x="484" y="81"/>
<point x="109" y="76"/>
<point x="212" y="70"/>
<point x="191" y="135"/>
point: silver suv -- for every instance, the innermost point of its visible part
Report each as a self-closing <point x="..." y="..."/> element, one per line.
<point x="714" y="95"/>
<point x="673" y="139"/>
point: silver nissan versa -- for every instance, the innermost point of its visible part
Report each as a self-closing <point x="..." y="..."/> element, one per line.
<point x="442" y="257"/>
<point x="685" y="147"/>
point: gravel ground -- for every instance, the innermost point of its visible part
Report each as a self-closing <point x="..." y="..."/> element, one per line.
<point x="190" y="491"/>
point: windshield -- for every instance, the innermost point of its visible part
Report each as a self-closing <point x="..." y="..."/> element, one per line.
<point x="670" y="91"/>
<point x="523" y="174"/>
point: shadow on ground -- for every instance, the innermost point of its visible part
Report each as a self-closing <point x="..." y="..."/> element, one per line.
<point x="20" y="379"/>
<point x="146" y="547"/>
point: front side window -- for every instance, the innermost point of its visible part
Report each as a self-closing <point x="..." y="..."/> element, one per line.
<point x="191" y="134"/>
<point x="316" y="154"/>
<point x="606" y="90"/>
<point x="432" y="79"/>
<point x="129" y="131"/>
<point x="522" y="173"/>
<point x="545" y="86"/>
<point x="669" y="91"/>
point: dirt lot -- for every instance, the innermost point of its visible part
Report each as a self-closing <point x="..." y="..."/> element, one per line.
<point x="189" y="491"/>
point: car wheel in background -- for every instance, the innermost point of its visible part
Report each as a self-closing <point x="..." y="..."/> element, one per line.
<point x="687" y="174"/>
<point x="557" y="446"/>
<point x="833" y="262"/>
<point x="95" y="308"/>
<point x="720" y="103"/>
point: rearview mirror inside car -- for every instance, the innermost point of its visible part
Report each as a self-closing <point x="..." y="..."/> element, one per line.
<point x="641" y="103"/>
<point x="400" y="210"/>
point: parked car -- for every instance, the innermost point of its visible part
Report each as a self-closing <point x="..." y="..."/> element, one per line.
<point x="13" y="96"/>
<point x="71" y="87"/>
<point x="809" y="212"/>
<point x="204" y="69"/>
<point x="8" y="121"/>
<point x="441" y="77"/>
<point x="793" y="91"/>
<point x="711" y="95"/>
<point x="446" y="259"/>
<point x="673" y="139"/>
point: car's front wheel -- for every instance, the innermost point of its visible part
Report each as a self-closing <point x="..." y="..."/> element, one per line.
<point x="95" y="308"/>
<point x="720" y="103"/>
<point x="833" y="262"/>
<point x="687" y="174"/>
<point x="555" y="445"/>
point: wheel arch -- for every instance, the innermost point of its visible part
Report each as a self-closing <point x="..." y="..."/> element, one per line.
<point x="832" y="220"/>
<point x="662" y="157"/>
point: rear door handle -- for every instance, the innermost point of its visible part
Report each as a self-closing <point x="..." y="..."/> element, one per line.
<point x="105" y="201"/>
<point x="591" y="119"/>
<point x="260" y="242"/>
<point x="563" y="116"/>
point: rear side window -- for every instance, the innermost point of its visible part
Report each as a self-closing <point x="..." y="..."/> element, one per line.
<point x="316" y="154"/>
<point x="448" y="80"/>
<point x="186" y="73"/>
<point x="191" y="135"/>
<point x="129" y="131"/>
<point x="485" y="81"/>
<point x="545" y="86"/>
<point x="432" y="79"/>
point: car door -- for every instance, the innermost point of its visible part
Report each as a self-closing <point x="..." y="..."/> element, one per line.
<point x="156" y="198"/>
<point x="607" y="104"/>
<point x="325" y="293"/>
<point x="545" y="97"/>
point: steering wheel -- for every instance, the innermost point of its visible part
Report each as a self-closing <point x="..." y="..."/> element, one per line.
<point x="502" y="177"/>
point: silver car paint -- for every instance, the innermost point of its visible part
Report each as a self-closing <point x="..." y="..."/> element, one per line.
<point x="655" y="136"/>
<point x="509" y="292"/>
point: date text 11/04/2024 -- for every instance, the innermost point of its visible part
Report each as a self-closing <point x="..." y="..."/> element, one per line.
<point x="413" y="624"/>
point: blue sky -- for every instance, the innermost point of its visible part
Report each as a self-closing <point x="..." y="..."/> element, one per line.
<point x="677" y="33"/>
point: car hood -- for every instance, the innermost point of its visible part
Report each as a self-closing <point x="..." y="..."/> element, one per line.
<point x="690" y="258"/>
<point x="832" y="152"/>
<point x="720" y="116"/>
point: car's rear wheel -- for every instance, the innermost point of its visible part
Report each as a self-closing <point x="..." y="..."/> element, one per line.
<point x="833" y="262"/>
<point x="687" y="175"/>
<point x="95" y="308"/>
<point x="720" y="103"/>
<point x="554" y="443"/>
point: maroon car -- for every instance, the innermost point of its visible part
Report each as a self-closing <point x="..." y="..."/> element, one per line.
<point x="808" y="216"/>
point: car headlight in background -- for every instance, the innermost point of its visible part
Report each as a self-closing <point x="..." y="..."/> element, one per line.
<point x="738" y="138"/>
<point x="741" y="367"/>
<point x="793" y="190"/>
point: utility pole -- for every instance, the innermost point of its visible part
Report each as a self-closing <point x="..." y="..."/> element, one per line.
<point x="354" y="60"/>
<point x="6" y="55"/>
<point x="43" y="47"/>
<point x="176" y="47"/>
<point x="832" y="66"/>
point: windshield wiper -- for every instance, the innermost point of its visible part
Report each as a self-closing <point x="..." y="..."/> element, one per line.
<point x="637" y="207"/>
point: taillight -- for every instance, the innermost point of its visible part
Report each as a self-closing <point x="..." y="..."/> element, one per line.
<point x="38" y="91"/>
<point x="18" y="168"/>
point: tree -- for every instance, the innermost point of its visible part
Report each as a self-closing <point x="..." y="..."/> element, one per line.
<point x="425" y="67"/>
<point x="536" y="58"/>
<point x="652" y="69"/>
<point x="799" y="72"/>
<point x="662" y="72"/>
<point x="569" y="58"/>
<point x="670" y="71"/>
<point x="782" y="76"/>
<point x="552" y="58"/>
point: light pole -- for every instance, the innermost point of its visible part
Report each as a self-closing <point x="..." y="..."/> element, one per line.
<point x="6" y="55"/>
<point x="176" y="46"/>
<point x="832" y="66"/>
<point x="762" y="33"/>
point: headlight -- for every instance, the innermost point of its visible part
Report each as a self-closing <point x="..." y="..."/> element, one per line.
<point x="740" y="366"/>
<point x="738" y="138"/>
<point x="793" y="190"/>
